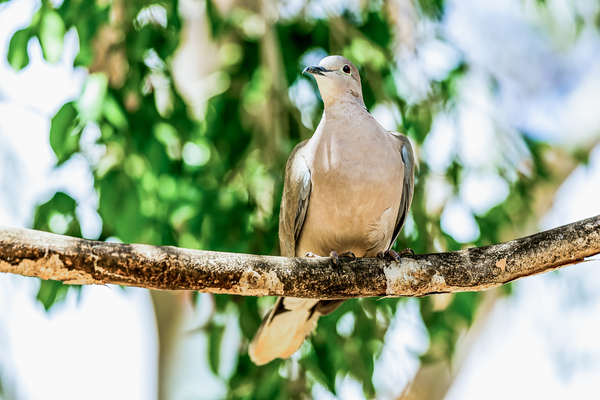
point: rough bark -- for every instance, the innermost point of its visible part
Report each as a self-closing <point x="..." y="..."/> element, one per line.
<point x="79" y="261"/>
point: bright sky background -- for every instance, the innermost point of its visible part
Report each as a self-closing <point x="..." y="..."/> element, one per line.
<point x="539" y="343"/>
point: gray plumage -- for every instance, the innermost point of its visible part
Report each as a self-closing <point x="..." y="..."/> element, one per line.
<point x="347" y="189"/>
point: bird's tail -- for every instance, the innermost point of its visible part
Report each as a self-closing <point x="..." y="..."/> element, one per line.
<point x="284" y="329"/>
<point x="286" y="326"/>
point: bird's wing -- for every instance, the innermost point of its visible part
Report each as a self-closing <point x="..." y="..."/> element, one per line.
<point x="294" y="202"/>
<point x="408" y="182"/>
<point x="291" y="320"/>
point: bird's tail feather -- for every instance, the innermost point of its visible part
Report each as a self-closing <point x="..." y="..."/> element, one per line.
<point x="282" y="332"/>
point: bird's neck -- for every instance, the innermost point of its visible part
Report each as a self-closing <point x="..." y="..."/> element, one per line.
<point x="342" y="121"/>
<point x="343" y="105"/>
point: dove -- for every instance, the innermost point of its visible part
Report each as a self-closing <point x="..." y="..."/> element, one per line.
<point x="347" y="193"/>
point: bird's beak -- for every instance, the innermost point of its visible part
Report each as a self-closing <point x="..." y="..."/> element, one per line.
<point x="315" y="70"/>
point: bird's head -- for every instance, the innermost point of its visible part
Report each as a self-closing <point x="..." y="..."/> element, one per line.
<point x="338" y="80"/>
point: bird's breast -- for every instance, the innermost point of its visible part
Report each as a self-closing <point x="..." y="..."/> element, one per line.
<point x="355" y="197"/>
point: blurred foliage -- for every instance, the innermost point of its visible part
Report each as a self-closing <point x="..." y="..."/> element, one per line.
<point x="170" y="176"/>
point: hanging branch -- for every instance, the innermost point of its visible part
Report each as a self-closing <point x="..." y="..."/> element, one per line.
<point x="87" y="262"/>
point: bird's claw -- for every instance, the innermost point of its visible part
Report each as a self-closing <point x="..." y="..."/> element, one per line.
<point x="335" y="257"/>
<point x="389" y="253"/>
<point x="408" y="250"/>
<point x="310" y="255"/>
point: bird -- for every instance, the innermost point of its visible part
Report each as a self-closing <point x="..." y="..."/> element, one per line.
<point x="347" y="193"/>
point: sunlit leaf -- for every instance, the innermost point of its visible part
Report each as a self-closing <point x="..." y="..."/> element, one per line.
<point x="60" y="204"/>
<point x="51" y="34"/>
<point x="17" y="49"/>
<point x="91" y="101"/>
<point x="114" y="113"/>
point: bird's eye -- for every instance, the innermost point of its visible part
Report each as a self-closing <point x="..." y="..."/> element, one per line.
<point x="346" y="69"/>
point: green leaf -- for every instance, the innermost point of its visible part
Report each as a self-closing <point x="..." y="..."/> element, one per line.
<point x="91" y="101"/>
<point x="51" y="34"/>
<point x="51" y="292"/>
<point x="17" y="49"/>
<point x="114" y="113"/>
<point x="169" y="137"/>
<point x="58" y="215"/>
<point x="64" y="132"/>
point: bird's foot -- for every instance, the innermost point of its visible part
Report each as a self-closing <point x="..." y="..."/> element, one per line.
<point x="389" y="253"/>
<point x="335" y="257"/>
<point x="310" y="255"/>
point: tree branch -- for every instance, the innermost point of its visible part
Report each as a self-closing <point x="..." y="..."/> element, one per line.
<point x="79" y="261"/>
